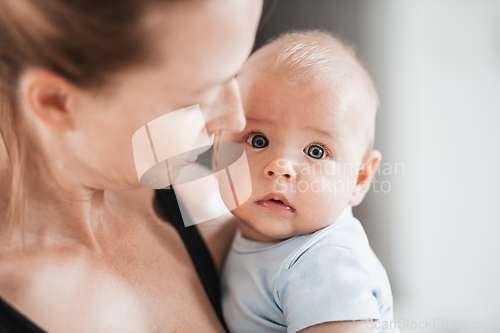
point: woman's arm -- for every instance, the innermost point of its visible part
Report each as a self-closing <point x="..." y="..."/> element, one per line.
<point x="218" y="235"/>
<point x="357" y="326"/>
<point x="217" y="232"/>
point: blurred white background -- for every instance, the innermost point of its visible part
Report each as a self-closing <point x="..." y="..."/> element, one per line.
<point x="436" y="226"/>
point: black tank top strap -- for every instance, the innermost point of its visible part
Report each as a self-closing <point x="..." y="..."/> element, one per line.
<point x="11" y="321"/>
<point x="197" y="249"/>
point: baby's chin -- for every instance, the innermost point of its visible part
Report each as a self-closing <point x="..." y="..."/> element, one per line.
<point x="260" y="234"/>
<point x="270" y="230"/>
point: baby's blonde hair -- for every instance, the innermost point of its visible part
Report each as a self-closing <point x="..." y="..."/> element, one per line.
<point x="318" y="60"/>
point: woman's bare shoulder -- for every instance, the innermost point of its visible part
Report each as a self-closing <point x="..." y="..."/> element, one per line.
<point x="23" y="269"/>
<point x="30" y="278"/>
<point x="99" y="291"/>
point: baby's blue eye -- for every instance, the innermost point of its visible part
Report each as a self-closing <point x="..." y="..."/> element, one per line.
<point x="315" y="151"/>
<point x="258" y="141"/>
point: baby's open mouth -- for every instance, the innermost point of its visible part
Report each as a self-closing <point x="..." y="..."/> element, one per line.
<point x="281" y="202"/>
<point x="276" y="203"/>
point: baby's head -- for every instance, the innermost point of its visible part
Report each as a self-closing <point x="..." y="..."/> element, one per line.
<point x="310" y="107"/>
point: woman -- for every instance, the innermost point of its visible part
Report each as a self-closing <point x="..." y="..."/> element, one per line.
<point x="83" y="248"/>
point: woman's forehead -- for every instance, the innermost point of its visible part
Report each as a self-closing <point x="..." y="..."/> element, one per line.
<point x="212" y="45"/>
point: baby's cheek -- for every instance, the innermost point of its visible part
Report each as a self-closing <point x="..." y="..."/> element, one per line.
<point x="328" y="195"/>
<point x="339" y="185"/>
<point x="330" y="210"/>
<point x="315" y="205"/>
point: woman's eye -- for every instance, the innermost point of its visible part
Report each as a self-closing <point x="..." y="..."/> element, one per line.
<point x="315" y="151"/>
<point x="258" y="141"/>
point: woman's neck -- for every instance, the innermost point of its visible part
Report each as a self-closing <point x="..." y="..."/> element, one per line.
<point x="71" y="213"/>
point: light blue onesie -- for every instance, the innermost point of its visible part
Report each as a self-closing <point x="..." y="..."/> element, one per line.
<point x="329" y="275"/>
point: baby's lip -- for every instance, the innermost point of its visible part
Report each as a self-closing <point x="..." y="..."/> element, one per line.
<point x="277" y="197"/>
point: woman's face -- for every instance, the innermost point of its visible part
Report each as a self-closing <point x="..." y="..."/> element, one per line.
<point x="198" y="48"/>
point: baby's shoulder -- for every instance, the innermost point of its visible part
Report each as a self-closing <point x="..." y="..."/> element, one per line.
<point x="334" y="274"/>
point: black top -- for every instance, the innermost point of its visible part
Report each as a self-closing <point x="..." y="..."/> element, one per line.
<point x="11" y="321"/>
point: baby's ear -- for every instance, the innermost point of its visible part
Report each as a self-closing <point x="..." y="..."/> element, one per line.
<point x="365" y="176"/>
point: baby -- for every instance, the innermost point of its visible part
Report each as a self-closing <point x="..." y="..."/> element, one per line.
<point x="300" y="260"/>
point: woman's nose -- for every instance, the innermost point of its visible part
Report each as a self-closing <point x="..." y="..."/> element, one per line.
<point x="280" y="168"/>
<point x="227" y="113"/>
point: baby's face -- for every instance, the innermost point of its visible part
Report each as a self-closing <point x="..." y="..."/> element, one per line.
<point x="303" y="158"/>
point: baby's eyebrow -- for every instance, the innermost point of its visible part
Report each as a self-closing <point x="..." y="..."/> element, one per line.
<point x="320" y="131"/>
<point x="309" y="128"/>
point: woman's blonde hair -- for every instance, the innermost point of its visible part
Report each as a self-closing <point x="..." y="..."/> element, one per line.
<point x="83" y="41"/>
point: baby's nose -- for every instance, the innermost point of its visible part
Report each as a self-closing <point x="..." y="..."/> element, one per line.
<point x="280" y="168"/>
